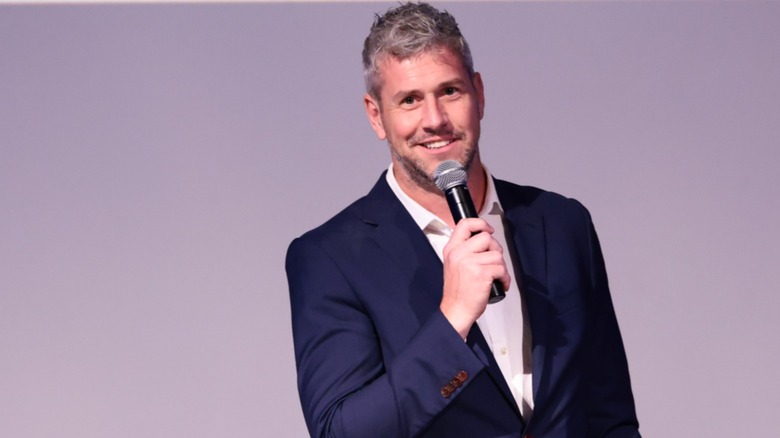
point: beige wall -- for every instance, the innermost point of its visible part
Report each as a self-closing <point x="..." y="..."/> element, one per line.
<point x="156" y="160"/>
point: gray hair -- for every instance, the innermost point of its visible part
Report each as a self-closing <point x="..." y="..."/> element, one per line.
<point x="407" y="31"/>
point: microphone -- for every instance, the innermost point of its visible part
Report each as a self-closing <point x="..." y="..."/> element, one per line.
<point x="450" y="177"/>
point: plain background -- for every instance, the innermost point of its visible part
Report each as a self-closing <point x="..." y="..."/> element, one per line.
<point x="156" y="161"/>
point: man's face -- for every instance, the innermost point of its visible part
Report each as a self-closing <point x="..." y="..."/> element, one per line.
<point x="429" y="112"/>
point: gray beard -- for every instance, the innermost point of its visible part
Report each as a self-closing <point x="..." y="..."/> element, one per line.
<point x="418" y="175"/>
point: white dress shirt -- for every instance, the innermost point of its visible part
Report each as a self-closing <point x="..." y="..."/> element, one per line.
<point x="504" y="324"/>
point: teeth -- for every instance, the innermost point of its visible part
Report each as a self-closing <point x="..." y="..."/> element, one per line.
<point x="437" y="144"/>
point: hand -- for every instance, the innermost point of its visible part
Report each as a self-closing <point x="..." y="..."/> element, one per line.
<point x="472" y="260"/>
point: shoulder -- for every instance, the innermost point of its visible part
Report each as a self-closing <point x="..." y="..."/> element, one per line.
<point x="355" y="222"/>
<point x="344" y="226"/>
<point x="538" y="201"/>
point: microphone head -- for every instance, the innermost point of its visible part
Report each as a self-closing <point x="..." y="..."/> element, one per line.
<point x="449" y="174"/>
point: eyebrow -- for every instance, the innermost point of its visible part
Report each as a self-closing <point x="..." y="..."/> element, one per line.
<point x="456" y="82"/>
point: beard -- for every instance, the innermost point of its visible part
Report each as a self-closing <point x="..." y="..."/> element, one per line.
<point x="415" y="168"/>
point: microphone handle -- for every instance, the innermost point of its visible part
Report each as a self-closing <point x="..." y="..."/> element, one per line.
<point x="461" y="206"/>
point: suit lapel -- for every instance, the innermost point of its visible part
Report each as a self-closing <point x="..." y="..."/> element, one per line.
<point x="401" y="240"/>
<point x="526" y="227"/>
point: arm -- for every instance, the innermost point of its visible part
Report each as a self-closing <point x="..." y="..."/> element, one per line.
<point x="611" y="402"/>
<point x="346" y="387"/>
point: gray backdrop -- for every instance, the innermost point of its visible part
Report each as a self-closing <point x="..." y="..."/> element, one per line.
<point x="157" y="160"/>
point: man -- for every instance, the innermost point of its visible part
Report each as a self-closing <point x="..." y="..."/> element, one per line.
<point x="393" y="341"/>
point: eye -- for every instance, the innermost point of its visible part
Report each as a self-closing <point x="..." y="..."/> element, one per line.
<point x="408" y="100"/>
<point x="449" y="91"/>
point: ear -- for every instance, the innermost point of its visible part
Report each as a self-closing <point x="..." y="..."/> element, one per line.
<point x="374" y="114"/>
<point x="480" y="90"/>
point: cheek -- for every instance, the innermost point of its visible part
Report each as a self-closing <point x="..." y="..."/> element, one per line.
<point x="403" y="126"/>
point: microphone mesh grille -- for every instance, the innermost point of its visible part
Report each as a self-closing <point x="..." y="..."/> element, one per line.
<point x="449" y="174"/>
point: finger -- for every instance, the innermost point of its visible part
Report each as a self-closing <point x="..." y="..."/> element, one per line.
<point x="487" y="258"/>
<point x="494" y="266"/>
<point x="506" y="280"/>
<point x="468" y="227"/>
<point x="455" y="251"/>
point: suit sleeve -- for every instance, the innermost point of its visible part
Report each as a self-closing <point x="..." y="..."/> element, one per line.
<point x="611" y="407"/>
<point x="346" y="388"/>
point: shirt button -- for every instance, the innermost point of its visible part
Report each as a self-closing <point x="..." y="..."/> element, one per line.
<point x="504" y="351"/>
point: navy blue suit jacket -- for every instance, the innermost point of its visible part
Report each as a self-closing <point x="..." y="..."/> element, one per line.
<point x="377" y="358"/>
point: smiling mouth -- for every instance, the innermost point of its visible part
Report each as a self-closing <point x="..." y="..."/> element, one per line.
<point x="437" y="144"/>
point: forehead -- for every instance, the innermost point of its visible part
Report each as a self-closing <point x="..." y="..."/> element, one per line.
<point x="426" y="69"/>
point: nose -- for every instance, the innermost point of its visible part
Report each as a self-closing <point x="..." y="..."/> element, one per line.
<point x="434" y="115"/>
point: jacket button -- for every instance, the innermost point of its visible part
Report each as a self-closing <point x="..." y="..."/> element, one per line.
<point x="462" y="376"/>
<point x="445" y="392"/>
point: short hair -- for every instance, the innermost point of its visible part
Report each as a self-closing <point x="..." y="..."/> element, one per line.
<point x="407" y="31"/>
